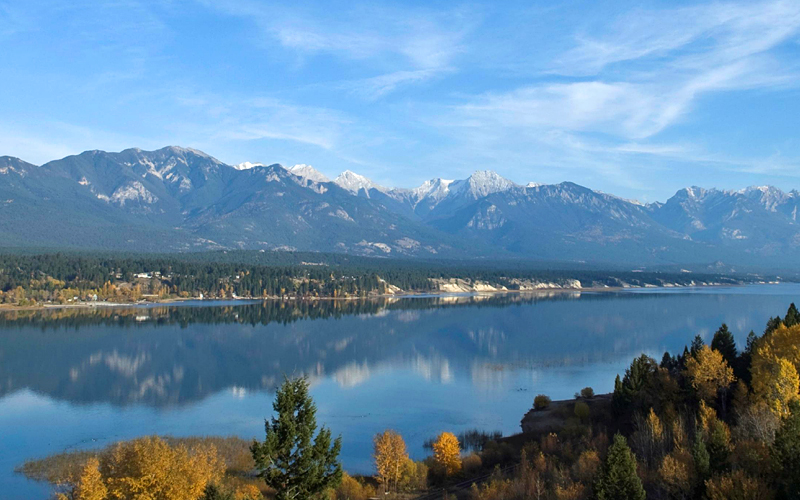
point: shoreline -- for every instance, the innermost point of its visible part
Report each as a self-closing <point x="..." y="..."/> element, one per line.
<point x="403" y="295"/>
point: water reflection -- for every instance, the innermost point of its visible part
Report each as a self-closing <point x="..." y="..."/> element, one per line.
<point x="88" y="377"/>
<point x="173" y="355"/>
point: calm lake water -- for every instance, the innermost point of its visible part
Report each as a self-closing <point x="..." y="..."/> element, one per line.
<point x="81" y="379"/>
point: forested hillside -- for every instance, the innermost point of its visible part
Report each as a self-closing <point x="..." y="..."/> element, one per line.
<point x="71" y="278"/>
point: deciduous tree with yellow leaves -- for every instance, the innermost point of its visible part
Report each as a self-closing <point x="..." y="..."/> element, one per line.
<point x="709" y="373"/>
<point x="775" y="368"/>
<point x="148" y="468"/>
<point x="90" y="484"/>
<point x="447" y="453"/>
<point x="150" y="465"/>
<point x="390" y="455"/>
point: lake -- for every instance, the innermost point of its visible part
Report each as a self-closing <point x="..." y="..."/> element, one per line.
<point x="420" y="365"/>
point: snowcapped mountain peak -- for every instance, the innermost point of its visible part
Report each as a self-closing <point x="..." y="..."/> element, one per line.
<point x="532" y="184"/>
<point x="692" y="192"/>
<point x="770" y="197"/>
<point x="483" y="183"/>
<point x="308" y="173"/>
<point x="247" y="165"/>
<point x="354" y="182"/>
<point x="435" y="188"/>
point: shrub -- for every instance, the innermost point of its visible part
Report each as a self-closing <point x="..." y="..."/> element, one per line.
<point x="736" y="485"/>
<point x="471" y="465"/>
<point x="413" y="476"/>
<point x="582" y="411"/>
<point x="587" y="393"/>
<point x="541" y="402"/>
<point x="352" y="489"/>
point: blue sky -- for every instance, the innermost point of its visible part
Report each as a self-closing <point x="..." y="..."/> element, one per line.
<point x="634" y="98"/>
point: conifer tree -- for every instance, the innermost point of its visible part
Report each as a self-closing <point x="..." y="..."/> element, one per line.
<point x="792" y="316"/>
<point x="291" y="459"/>
<point x="618" y="399"/>
<point x="719" y="446"/>
<point x="697" y="344"/>
<point x="701" y="457"/>
<point x="618" y="478"/>
<point x="724" y="343"/>
<point x="786" y="452"/>
<point x="772" y="325"/>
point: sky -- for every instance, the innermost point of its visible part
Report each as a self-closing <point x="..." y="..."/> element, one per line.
<point x="638" y="99"/>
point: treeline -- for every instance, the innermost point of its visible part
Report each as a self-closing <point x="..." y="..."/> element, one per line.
<point x="66" y="277"/>
<point x="62" y="278"/>
<point x="253" y="314"/>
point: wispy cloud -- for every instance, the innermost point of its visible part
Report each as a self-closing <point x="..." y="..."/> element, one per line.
<point x="621" y="87"/>
<point x="416" y="44"/>
<point x="231" y="117"/>
<point x="379" y="86"/>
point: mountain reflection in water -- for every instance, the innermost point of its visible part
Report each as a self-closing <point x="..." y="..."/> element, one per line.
<point x="73" y="378"/>
<point x="177" y="354"/>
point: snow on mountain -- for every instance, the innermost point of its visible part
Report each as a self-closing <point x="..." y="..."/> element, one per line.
<point x="434" y="189"/>
<point x="769" y="197"/>
<point x="187" y="197"/>
<point x="354" y="183"/>
<point x="247" y="165"/>
<point x="482" y="183"/>
<point x="307" y="172"/>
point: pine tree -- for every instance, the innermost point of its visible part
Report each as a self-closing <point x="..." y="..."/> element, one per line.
<point x="719" y="446"/>
<point x="697" y="344"/>
<point x="668" y="362"/>
<point x="618" y="478"/>
<point x="701" y="457"/>
<point x="792" y="316"/>
<point x="618" y="399"/>
<point x="287" y="459"/>
<point x="724" y="343"/>
<point x="772" y="325"/>
<point x="742" y="368"/>
<point x="786" y="452"/>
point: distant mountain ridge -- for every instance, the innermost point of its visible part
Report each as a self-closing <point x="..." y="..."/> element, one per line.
<point x="181" y="199"/>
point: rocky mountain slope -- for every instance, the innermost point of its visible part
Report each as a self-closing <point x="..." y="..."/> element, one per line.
<point x="179" y="199"/>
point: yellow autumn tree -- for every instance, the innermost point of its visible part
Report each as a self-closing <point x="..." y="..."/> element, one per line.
<point x="90" y="485"/>
<point x="676" y="474"/>
<point x="737" y="485"/>
<point x="390" y="455"/>
<point x="776" y="384"/>
<point x="709" y="373"/>
<point x="447" y="453"/>
<point x="775" y="367"/>
<point x="247" y="492"/>
<point x="149" y="468"/>
<point x="783" y="342"/>
<point x="707" y="416"/>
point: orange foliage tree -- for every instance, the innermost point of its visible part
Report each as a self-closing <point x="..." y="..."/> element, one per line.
<point x="447" y="453"/>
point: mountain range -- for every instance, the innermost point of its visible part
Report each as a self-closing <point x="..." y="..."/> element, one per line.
<point x="180" y="199"/>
